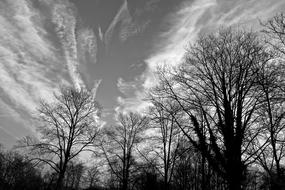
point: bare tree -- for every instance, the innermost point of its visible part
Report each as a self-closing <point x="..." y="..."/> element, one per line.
<point x="120" y="143"/>
<point x="192" y="172"/>
<point x="91" y="177"/>
<point x="74" y="175"/>
<point x="16" y="172"/>
<point x="216" y="89"/>
<point x="272" y="112"/>
<point x="69" y="126"/>
<point x="165" y="137"/>
<point x="275" y="30"/>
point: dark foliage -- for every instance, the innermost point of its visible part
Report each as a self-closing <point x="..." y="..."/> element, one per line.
<point x="17" y="173"/>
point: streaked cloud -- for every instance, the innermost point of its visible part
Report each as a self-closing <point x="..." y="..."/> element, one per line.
<point x="22" y="54"/>
<point x="45" y="44"/>
<point x="134" y="96"/>
<point x="192" y="19"/>
<point x="42" y="47"/>
<point x="65" y="22"/>
<point x="126" y="23"/>
<point x="87" y="44"/>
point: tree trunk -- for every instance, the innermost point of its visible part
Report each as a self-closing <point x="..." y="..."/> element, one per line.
<point x="203" y="185"/>
<point x="234" y="185"/>
<point x="125" y="184"/>
<point x="59" y="182"/>
<point x="165" y="178"/>
<point x="166" y="186"/>
<point x="235" y="177"/>
<point x="126" y="177"/>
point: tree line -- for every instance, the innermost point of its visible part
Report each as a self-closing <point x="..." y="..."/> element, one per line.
<point x="216" y="122"/>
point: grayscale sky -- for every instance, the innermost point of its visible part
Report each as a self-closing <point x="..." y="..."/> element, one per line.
<point x="110" y="46"/>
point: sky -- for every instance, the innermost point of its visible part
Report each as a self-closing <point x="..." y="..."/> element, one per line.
<point x="111" y="47"/>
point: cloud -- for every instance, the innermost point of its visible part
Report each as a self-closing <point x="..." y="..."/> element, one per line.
<point x="65" y="22"/>
<point x="77" y="43"/>
<point x="34" y="61"/>
<point x="134" y="96"/>
<point x="122" y="16"/>
<point x="127" y="87"/>
<point x="192" y="19"/>
<point x="129" y="29"/>
<point x="101" y="35"/>
<point x="201" y="16"/>
<point x="95" y="88"/>
<point x="135" y="104"/>
<point x="127" y="24"/>
<point x="173" y="42"/>
<point x="23" y="49"/>
<point x="7" y="137"/>
<point x="87" y="43"/>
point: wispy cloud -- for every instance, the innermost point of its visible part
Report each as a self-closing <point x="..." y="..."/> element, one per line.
<point x="23" y="53"/>
<point x="126" y="23"/>
<point x="200" y="16"/>
<point x="188" y="22"/>
<point x="122" y="16"/>
<point x="33" y="61"/>
<point x="7" y="137"/>
<point x="65" y="22"/>
<point x="171" y="46"/>
<point x="87" y="44"/>
<point x="134" y="96"/>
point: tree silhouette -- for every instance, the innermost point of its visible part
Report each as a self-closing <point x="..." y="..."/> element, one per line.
<point x="69" y="126"/>
<point x="272" y="113"/>
<point x="165" y="137"/>
<point x="274" y="29"/>
<point x="216" y="89"/>
<point x="120" y="143"/>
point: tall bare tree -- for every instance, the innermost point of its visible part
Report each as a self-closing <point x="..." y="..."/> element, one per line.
<point x="68" y="126"/>
<point x="216" y="89"/>
<point x="165" y="136"/>
<point x="120" y="143"/>
<point x="272" y="112"/>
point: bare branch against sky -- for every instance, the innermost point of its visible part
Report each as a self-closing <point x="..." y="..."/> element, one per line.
<point x="49" y="43"/>
<point x="194" y="89"/>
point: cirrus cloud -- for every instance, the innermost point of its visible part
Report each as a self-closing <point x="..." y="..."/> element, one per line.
<point x="194" y="18"/>
<point x="42" y="47"/>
